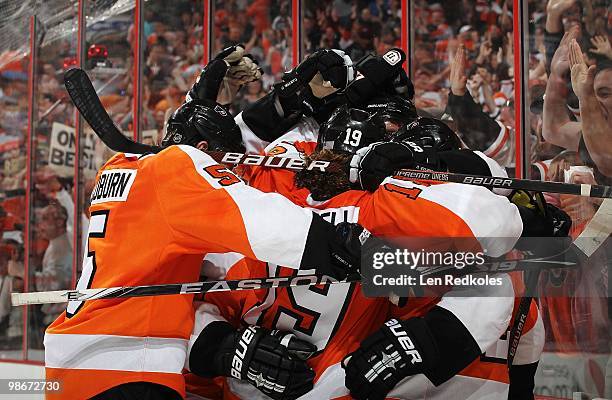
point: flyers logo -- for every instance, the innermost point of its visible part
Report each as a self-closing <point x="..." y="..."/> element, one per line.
<point x="277" y="150"/>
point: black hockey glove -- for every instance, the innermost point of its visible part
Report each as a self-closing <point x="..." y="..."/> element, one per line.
<point x="397" y="350"/>
<point x="232" y="68"/>
<point x="372" y="164"/>
<point x="272" y="361"/>
<point x="379" y="73"/>
<point x="302" y="90"/>
<point x="401" y="85"/>
<point x="334" y="250"/>
<point x="541" y="220"/>
<point x="346" y="250"/>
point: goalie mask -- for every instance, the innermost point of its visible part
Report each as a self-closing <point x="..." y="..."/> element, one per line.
<point x="351" y="128"/>
<point x="203" y="120"/>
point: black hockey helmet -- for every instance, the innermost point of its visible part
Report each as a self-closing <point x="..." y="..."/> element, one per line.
<point x="396" y="109"/>
<point x="351" y="128"/>
<point x="429" y="132"/>
<point x="198" y="120"/>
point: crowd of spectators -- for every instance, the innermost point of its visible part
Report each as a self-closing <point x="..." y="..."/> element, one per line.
<point x="265" y="28"/>
<point x="357" y="27"/>
<point x="574" y="77"/>
<point x="50" y="250"/>
<point x="463" y="72"/>
<point x="13" y="125"/>
<point x="484" y="30"/>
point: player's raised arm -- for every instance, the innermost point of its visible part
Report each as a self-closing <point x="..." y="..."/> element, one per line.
<point x="304" y="91"/>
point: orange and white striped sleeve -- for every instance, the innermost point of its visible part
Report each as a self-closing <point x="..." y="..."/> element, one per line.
<point x="449" y="210"/>
<point x="210" y="209"/>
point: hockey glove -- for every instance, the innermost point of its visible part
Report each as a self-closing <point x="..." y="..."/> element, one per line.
<point x="319" y="75"/>
<point x="272" y="361"/>
<point x="334" y="250"/>
<point x="371" y="165"/>
<point x="402" y="86"/>
<point x="347" y="248"/>
<point x="379" y="73"/>
<point x="541" y="220"/>
<point x="397" y="350"/>
<point x="221" y="79"/>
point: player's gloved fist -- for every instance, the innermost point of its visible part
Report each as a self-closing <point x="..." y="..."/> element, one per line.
<point x="321" y="74"/>
<point x="541" y="220"/>
<point x="244" y="71"/>
<point x="397" y="350"/>
<point x="346" y="249"/>
<point x="272" y="361"/>
<point x="334" y="66"/>
<point x="372" y="164"/>
<point x="376" y="73"/>
<point x="232" y="68"/>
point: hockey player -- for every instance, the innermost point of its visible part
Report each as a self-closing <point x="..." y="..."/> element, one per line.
<point x="153" y="218"/>
<point x="338" y="317"/>
<point x="290" y="144"/>
<point x="306" y="92"/>
<point x="483" y="165"/>
<point x="443" y="140"/>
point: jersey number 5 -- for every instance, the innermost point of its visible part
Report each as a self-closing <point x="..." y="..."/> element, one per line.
<point x="224" y="176"/>
<point x="97" y="229"/>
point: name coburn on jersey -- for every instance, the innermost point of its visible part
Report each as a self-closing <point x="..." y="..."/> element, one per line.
<point x="113" y="185"/>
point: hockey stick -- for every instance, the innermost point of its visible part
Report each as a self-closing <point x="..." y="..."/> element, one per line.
<point x="600" y="191"/>
<point x="531" y="279"/>
<point x="61" y="296"/>
<point x="86" y="100"/>
<point x="477" y="180"/>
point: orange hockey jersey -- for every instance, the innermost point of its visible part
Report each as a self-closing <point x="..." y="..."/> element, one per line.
<point x="153" y="218"/>
<point x="337" y="317"/>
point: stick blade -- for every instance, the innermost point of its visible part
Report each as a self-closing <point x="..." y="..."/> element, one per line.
<point x="86" y="100"/>
<point x="597" y="230"/>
